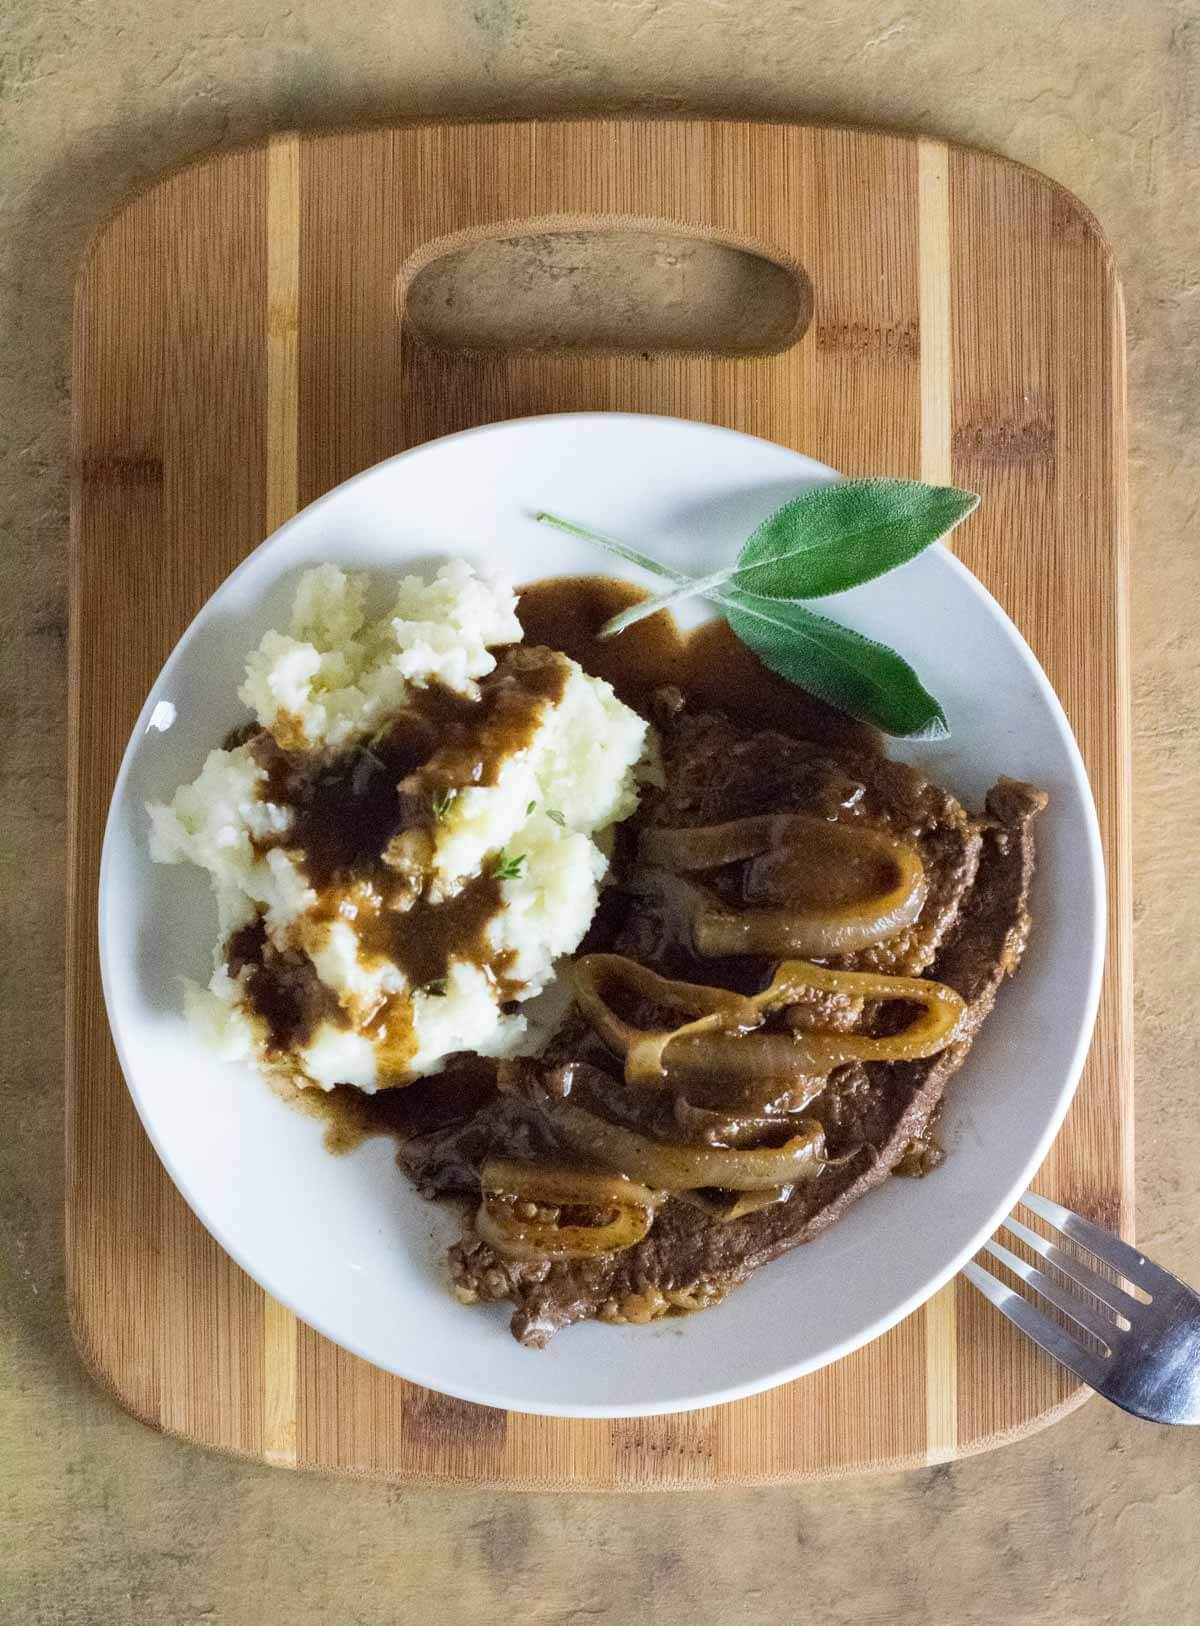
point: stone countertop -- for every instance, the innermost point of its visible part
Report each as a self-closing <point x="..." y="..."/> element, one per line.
<point x="106" y="1524"/>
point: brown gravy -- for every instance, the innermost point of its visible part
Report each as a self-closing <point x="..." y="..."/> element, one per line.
<point x="347" y="806"/>
<point x="712" y="667"/>
<point x="351" y="1116"/>
<point x="715" y="670"/>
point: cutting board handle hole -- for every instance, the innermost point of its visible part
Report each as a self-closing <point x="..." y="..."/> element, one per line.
<point x="637" y="287"/>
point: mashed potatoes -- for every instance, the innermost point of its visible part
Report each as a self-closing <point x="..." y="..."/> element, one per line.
<point x="336" y="676"/>
<point x="412" y="837"/>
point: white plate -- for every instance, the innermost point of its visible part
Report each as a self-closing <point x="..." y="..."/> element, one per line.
<point x="345" y="1241"/>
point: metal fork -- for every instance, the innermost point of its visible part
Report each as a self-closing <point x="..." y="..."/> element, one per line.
<point x="1148" y="1361"/>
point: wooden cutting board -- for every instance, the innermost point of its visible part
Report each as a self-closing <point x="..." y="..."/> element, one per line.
<point x="238" y="351"/>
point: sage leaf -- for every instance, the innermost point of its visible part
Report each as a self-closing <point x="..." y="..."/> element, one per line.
<point x="840" y="536"/>
<point x="856" y="674"/>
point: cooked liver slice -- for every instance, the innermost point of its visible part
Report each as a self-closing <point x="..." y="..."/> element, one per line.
<point x="971" y="935"/>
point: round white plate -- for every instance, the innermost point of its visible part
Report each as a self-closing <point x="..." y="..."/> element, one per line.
<point x="345" y="1241"/>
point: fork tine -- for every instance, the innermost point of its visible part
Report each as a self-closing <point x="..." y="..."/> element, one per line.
<point x="1082" y="1275"/>
<point x="1134" y="1266"/>
<point x="1083" y="1315"/>
<point x="1044" y="1332"/>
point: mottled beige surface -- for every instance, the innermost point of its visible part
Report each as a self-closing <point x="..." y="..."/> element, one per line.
<point x="103" y="1523"/>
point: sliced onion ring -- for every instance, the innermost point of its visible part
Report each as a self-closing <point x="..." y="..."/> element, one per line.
<point x="672" y="1167"/>
<point x="936" y="1026"/>
<point x="713" y="1009"/>
<point x="718" y="931"/>
<point x="793" y="856"/>
<point x="736" y="1126"/>
<point x="625" y="1211"/>
<point x="722" y="1046"/>
<point x="532" y="1240"/>
<point x="563" y="1185"/>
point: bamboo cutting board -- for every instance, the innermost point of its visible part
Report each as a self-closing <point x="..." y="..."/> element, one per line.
<point x="238" y="352"/>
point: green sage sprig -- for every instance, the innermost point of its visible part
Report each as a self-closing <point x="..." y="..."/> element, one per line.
<point x="821" y="542"/>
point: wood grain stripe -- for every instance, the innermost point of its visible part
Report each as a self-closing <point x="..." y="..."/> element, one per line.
<point x="280" y="1333"/>
<point x="283" y="329"/>
<point x="933" y="207"/>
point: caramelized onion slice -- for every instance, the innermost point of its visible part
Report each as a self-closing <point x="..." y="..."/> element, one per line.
<point x="624" y="1212"/>
<point x="712" y="1009"/>
<point x="684" y="1168"/>
<point x="722" y="1046"/>
<point x="529" y="1241"/>
<point x="714" y="929"/>
<point x="817" y="887"/>
<point x="936" y="1025"/>
<point x="742" y="1061"/>
<point x="564" y="1186"/>
<point x="718" y="931"/>
<point x="738" y="1126"/>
